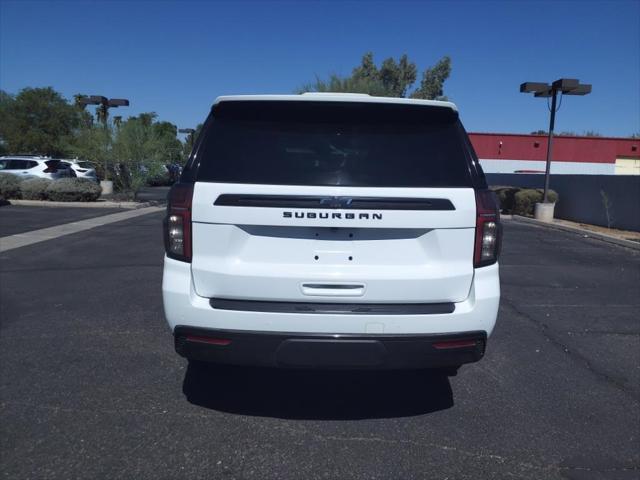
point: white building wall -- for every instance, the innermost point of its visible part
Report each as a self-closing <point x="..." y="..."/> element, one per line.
<point x="577" y="168"/>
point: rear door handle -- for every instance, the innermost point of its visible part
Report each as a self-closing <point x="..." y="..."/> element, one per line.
<point x="333" y="289"/>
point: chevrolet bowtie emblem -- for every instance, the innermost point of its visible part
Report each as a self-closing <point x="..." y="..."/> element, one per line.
<point x="336" y="202"/>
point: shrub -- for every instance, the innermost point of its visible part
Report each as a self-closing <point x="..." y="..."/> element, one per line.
<point x="526" y="199"/>
<point x="506" y="197"/>
<point x="35" y="188"/>
<point x="159" y="180"/>
<point x="9" y="185"/>
<point x="73" y="190"/>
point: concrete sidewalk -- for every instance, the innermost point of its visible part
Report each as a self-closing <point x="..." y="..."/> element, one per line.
<point x="98" y="204"/>
<point x="572" y="227"/>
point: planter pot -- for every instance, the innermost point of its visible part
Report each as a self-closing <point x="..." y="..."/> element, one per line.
<point x="107" y="187"/>
<point x="544" y="212"/>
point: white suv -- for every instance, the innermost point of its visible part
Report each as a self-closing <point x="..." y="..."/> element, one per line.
<point x="36" y="167"/>
<point x="82" y="169"/>
<point x="332" y="231"/>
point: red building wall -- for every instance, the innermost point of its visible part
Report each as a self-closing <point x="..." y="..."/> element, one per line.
<point x="565" y="149"/>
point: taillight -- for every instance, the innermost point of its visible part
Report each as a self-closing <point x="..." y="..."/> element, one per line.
<point x="446" y="345"/>
<point x="223" y="342"/>
<point x="488" y="229"/>
<point x="177" y="224"/>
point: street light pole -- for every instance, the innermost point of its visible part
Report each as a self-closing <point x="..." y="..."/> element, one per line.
<point x="566" y="86"/>
<point x="552" y="123"/>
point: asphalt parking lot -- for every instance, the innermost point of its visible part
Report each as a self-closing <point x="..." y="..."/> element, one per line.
<point x="90" y="386"/>
<point x="16" y="219"/>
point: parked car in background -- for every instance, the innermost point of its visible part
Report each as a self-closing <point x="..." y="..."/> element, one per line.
<point x="83" y="169"/>
<point x="32" y="167"/>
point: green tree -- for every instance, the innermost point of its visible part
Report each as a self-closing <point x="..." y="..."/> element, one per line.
<point x="141" y="148"/>
<point x="6" y="101"/>
<point x="392" y="79"/>
<point x="168" y="149"/>
<point x="367" y="69"/>
<point x="336" y="83"/>
<point x="92" y="143"/>
<point x="397" y="77"/>
<point x="432" y="83"/>
<point x="189" y="142"/>
<point x="37" y="121"/>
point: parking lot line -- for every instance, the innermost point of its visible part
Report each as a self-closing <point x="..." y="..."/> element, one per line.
<point x="44" y="234"/>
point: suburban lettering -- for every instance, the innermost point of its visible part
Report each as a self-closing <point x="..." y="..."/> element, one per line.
<point x="333" y="215"/>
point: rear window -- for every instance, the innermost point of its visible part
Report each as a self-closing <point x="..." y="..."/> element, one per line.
<point x="335" y="144"/>
<point x="85" y="164"/>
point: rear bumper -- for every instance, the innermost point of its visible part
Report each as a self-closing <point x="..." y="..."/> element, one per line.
<point x="183" y="307"/>
<point x="295" y="350"/>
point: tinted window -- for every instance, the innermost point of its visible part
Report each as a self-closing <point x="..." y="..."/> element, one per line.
<point x="334" y="143"/>
<point x="4" y="164"/>
<point x="20" y="164"/>
<point x="11" y="164"/>
<point x="85" y="164"/>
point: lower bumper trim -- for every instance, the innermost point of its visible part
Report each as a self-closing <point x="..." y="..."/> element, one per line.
<point x="298" y="350"/>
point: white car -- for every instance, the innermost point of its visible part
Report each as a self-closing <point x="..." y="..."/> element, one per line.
<point x="32" y="167"/>
<point x="83" y="169"/>
<point x="332" y="231"/>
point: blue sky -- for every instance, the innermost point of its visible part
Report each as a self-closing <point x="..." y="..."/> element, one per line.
<point x="174" y="58"/>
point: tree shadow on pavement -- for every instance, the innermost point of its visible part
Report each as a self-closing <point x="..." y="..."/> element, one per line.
<point x="320" y="395"/>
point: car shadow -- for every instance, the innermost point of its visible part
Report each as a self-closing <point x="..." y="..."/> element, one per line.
<point x="313" y="394"/>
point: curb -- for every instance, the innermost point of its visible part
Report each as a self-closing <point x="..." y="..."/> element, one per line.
<point x="583" y="231"/>
<point x="103" y="204"/>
